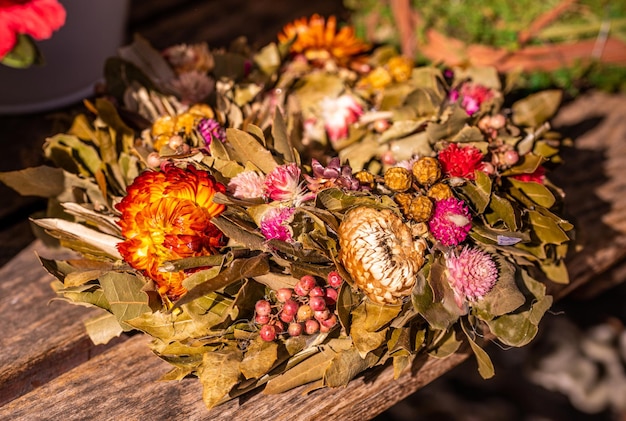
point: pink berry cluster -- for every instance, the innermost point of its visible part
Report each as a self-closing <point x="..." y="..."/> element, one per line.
<point x="307" y="308"/>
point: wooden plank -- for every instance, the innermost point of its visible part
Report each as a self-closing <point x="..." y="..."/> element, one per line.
<point x="42" y="339"/>
<point x="121" y="384"/>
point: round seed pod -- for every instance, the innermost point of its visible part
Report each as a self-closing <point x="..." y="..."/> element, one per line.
<point x="398" y="179"/>
<point x="420" y="209"/>
<point x="439" y="191"/>
<point x="379" y="252"/>
<point x="426" y="170"/>
<point x="365" y="178"/>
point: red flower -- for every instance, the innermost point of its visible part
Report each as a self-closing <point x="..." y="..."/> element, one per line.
<point x="37" y="18"/>
<point x="536" y="176"/>
<point x="460" y="161"/>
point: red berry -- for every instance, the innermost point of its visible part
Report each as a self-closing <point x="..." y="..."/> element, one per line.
<point x="262" y="319"/>
<point x="290" y="307"/>
<point x="268" y="333"/>
<point x="322" y="315"/>
<point x="284" y="294"/>
<point x="300" y="290"/>
<point x="305" y="312"/>
<point x="263" y="307"/>
<point x="317" y="292"/>
<point x="308" y="281"/>
<point x="311" y="326"/>
<point x="334" y="279"/>
<point x="511" y="157"/>
<point x="285" y="317"/>
<point x="317" y="303"/>
<point x="331" y="296"/>
<point x="295" y="329"/>
<point x="330" y="322"/>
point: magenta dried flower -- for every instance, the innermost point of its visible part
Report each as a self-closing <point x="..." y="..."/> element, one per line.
<point x="451" y="221"/>
<point x="472" y="274"/>
<point x="247" y="185"/>
<point x="275" y="224"/>
<point x="211" y="130"/>
<point x="471" y="95"/>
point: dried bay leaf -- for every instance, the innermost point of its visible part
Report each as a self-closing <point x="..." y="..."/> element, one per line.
<point x="537" y="192"/>
<point x="485" y="366"/>
<point x="102" y="328"/>
<point x="309" y="370"/>
<point x="219" y="373"/>
<point x="124" y="293"/>
<point x="346" y="365"/>
<point x="247" y="146"/>
<point x="259" y="358"/>
<point x="446" y="344"/>
<point x="535" y="109"/>
<point x="546" y="229"/>
<point x="42" y="181"/>
<point x="504" y="297"/>
<point x="439" y="314"/>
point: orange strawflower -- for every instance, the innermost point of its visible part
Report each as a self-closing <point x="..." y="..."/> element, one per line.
<point x="319" y="40"/>
<point x="166" y="215"/>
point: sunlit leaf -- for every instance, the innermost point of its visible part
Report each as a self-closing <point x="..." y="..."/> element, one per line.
<point x="124" y="293"/>
<point x="219" y="373"/>
<point x="258" y="358"/>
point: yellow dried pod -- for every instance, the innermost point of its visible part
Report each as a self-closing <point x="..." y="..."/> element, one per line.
<point x="202" y="110"/>
<point x="398" y="179"/>
<point x="400" y="68"/>
<point x="377" y="79"/>
<point x="366" y="178"/>
<point x="404" y="200"/>
<point x="427" y="170"/>
<point x="163" y="125"/>
<point x="439" y="191"/>
<point x="186" y="122"/>
<point x="379" y="252"/>
<point x="420" y="209"/>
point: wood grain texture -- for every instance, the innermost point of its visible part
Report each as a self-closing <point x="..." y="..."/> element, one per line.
<point x="49" y="369"/>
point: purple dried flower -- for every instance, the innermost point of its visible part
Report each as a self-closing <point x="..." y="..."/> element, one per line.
<point x="211" y="130"/>
<point x="451" y="221"/>
<point x="275" y="224"/>
<point x="472" y="274"/>
<point x="333" y="175"/>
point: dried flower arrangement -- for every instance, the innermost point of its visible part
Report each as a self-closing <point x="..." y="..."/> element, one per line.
<point x="301" y="213"/>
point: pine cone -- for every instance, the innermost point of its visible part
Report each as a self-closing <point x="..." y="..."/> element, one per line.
<point x="379" y="252"/>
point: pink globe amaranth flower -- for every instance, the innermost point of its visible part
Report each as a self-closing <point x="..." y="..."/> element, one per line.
<point x="37" y="18"/>
<point x="283" y="183"/>
<point x="247" y="185"/>
<point x="275" y="224"/>
<point x="472" y="95"/>
<point x="338" y="114"/>
<point x="472" y="274"/>
<point x="211" y="130"/>
<point x="451" y="221"/>
<point x="460" y="161"/>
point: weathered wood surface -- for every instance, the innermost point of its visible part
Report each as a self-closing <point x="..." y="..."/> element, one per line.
<point x="50" y="370"/>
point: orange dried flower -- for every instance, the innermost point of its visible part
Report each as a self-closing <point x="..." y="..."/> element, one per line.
<point x="319" y="40"/>
<point x="166" y="216"/>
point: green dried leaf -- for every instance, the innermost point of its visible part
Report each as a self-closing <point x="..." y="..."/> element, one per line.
<point x="23" y="54"/>
<point x="400" y="364"/>
<point x="346" y="365"/>
<point x="124" y="293"/>
<point x="219" y="373"/>
<point x="446" y="345"/>
<point x="556" y="272"/>
<point x="309" y="370"/>
<point x="536" y="109"/>
<point x="102" y="328"/>
<point x="485" y="366"/>
<point x="40" y="181"/>
<point x="546" y="229"/>
<point x="504" y="211"/>
<point x="367" y="328"/>
<point x="504" y="297"/>
<point x="528" y="164"/>
<point x="537" y="192"/>
<point x="73" y="155"/>
<point x="239" y="269"/>
<point x="442" y="313"/>
<point x="448" y="129"/>
<point x="268" y="59"/>
<point x="247" y="146"/>
<point x="478" y="192"/>
<point x="282" y="143"/>
<point x="259" y="358"/>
